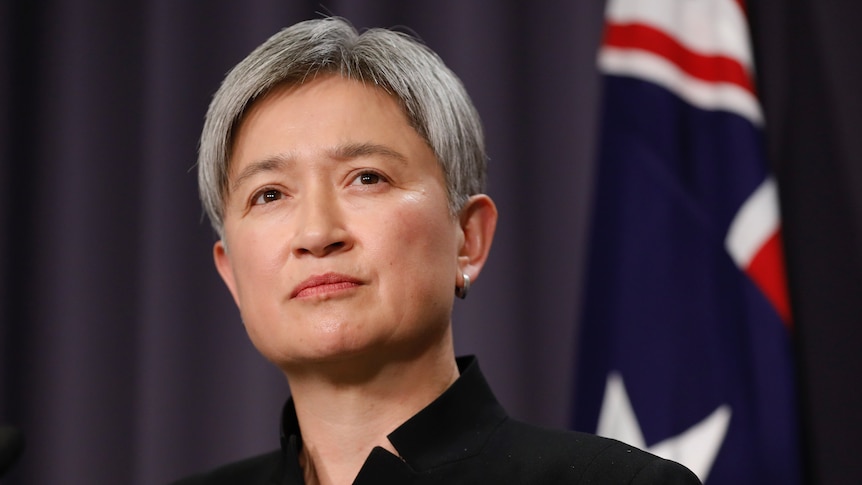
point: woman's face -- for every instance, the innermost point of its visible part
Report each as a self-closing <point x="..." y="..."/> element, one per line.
<point x="339" y="240"/>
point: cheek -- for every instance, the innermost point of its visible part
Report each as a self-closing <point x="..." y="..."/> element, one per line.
<point x="257" y="258"/>
<point x="422" y="243"/>
<point x="258" y="272"/>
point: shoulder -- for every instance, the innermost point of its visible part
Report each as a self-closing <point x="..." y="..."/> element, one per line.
<point x="255" y="470"/>
<point x="542" y="455"/>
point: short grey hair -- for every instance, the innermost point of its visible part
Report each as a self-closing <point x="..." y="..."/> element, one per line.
<point x="432" y="96"/>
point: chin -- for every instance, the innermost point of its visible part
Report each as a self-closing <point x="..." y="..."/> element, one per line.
<point x="321" y="349"/>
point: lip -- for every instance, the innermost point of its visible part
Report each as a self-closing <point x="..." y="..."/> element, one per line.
<point x="324" y="284"/>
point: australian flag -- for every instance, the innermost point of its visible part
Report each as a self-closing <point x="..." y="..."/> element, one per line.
<point x="685" y="343"/>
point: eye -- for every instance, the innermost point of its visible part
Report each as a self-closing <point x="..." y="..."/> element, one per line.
<point x="266" y="196"/>
<point x="368" y="178"/>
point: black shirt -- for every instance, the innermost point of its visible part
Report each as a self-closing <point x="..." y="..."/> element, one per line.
<point x="465" y="437"/>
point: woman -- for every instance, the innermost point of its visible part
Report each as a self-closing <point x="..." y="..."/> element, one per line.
<point x="344" y="175"/>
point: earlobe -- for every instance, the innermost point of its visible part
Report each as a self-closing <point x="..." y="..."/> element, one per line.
<point x="225" y="270"/>
<point x="478" y="221"/>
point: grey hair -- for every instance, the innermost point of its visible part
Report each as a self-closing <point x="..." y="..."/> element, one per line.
<point x="432" y="96"/>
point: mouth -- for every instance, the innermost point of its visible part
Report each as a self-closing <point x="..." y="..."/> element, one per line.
<point x="325" y="284"/>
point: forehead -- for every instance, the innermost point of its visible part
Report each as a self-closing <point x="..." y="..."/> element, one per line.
<point x="325" y="106"/>
<point x="329" y="117"/>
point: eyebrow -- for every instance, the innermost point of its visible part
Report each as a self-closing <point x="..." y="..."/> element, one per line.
<point x="260" y="166"/>
<point x="358" y="150"/>
<point x="347" y="151"/>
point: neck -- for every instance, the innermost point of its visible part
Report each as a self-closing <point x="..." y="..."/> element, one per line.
<point x="348" y="408"/>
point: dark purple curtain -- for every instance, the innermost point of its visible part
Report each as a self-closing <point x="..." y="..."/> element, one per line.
<point x="122" y="356"/>
<point x="810" y="58"/>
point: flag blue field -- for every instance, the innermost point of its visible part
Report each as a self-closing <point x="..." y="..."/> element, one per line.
<point x="685" y="344"/>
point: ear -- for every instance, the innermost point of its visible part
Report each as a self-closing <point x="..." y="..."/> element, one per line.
<point x="478" y="221"/>
<point x="225" y="269"/>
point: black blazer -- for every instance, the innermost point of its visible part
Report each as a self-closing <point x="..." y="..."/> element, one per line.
<point x="465" y="437"/>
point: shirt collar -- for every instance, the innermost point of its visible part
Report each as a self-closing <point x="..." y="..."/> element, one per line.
<point x="454" y="426"/>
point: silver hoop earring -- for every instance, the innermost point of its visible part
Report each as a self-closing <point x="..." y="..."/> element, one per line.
<point x="461" y="291"/>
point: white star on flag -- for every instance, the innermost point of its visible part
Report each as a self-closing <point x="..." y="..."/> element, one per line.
<point x="696" y="448"/>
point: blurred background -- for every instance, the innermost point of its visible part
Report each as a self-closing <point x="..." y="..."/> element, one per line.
<point x="122" y="356"/>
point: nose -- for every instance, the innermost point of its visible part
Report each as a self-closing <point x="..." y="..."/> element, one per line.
<point x="320" y="229"/>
